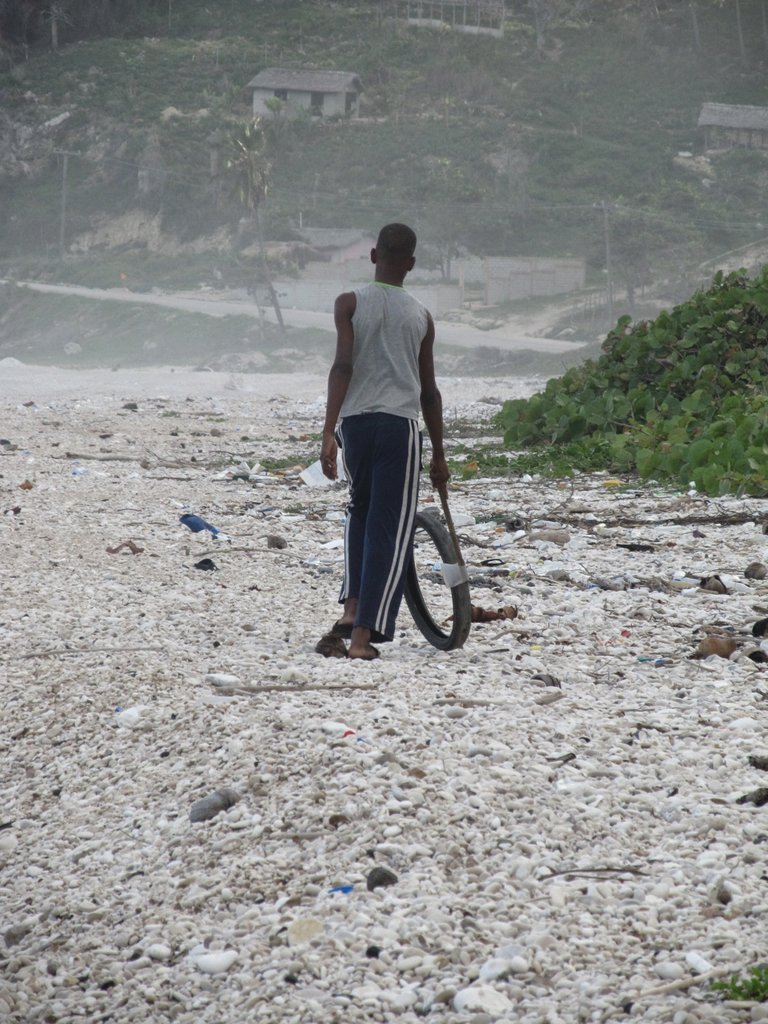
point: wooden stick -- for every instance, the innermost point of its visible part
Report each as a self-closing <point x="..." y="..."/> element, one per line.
<point x="672" y="986"/>
<point x="81" y="650"/>
<point x="443" y="492"/>
<point x="253" y="691"/>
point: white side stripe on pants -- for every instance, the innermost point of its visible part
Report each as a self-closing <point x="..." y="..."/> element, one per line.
<point x="404" y="527"/>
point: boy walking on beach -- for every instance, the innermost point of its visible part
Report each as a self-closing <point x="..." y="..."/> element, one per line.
<point x="383" y="372"/>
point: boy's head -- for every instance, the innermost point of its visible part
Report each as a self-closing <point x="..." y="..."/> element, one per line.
<point x="395" y="247"/>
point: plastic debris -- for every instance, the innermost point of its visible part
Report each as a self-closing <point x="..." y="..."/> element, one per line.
<point x="313" y="475"/>
<point x="197" y="524"/>
<point x="206" y="564"/>
<point x="132" y="718"/>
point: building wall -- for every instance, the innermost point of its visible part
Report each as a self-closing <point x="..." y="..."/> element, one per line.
<point x="724" y="138"/>
<point x="506" y="278"/>
<point x="334" y="104"/>
<point x="320" y="295"/>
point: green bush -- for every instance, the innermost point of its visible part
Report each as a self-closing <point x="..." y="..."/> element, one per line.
<point x="681" y="398"/>
<point x="753" y="987"/>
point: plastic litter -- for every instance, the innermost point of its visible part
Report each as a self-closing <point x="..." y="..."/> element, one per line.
<point x="697" y="963"/>
<point x="197" y="524"/>
<point x="461" y="519"/>
<point x="206" y="564"/>
<point x="313" y="475"/>
<point x="131" y="718"/>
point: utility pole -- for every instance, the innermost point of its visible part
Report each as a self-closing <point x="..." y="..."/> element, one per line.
<point x="63" y="223"/>
<point x="605" y="207"/>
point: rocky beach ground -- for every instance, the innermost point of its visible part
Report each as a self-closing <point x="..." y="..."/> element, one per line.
<point x="560" y="823"/>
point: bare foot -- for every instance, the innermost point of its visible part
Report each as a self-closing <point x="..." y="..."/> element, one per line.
<point x="360" y="647"/>
<point x="343" y="626"/>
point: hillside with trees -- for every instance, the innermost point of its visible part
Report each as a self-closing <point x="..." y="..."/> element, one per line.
<point x="119" y="127"/>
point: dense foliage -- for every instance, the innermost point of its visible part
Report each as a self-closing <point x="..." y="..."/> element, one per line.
<point x="682" y="398"/>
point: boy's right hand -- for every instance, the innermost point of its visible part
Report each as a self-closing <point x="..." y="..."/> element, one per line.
<point x="328" y="454"/>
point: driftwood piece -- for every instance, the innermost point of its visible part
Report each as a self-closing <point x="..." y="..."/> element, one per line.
<point x="82" y="457"/>
<point x="241" y="690"/>
<point x="81" y="650"/>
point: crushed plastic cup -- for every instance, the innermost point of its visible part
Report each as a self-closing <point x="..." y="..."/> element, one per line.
<point x="313" y="475"/>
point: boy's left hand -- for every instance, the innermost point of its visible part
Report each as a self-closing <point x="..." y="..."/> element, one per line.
<point x="439" y="473"/>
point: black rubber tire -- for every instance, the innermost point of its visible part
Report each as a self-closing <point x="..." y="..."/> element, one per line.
<point x="414" y="598"/>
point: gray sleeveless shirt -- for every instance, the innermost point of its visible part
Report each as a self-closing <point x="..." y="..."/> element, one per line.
<point x="389" y="326"/>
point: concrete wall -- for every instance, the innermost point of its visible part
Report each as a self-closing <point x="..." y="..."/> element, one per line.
<point x="320" y="295"/>
<point x="503" y="279"/>
<point x="506" y="278"/>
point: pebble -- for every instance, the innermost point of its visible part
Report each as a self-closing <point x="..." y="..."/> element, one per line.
<point x="215" y="963"/>
<point x="304" y="930"/>
<point x="158" y="951"/>
<point x="669" y="971"/>
<point x="484" y="999"/>
<point x="8" y="843"/>
<point x="379" y="877"/>
<point x="209" y="806"/>
<point x="222" y="678"/>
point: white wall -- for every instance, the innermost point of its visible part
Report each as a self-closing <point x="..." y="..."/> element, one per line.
<point x="333" y="103"/>
<point x="320" y="295"/>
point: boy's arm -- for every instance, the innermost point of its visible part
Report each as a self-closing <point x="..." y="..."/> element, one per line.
<point x="338" y="379"/>
<point x="432" y="408"/>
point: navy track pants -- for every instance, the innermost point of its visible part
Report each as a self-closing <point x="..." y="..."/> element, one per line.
<point x="382" y="458"/>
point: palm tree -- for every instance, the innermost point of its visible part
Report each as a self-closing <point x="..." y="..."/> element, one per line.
<point x="252" y="170"/>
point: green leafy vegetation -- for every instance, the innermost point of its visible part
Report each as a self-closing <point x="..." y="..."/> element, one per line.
<point x="753" y="987"/>
<point x="681" y="398"/>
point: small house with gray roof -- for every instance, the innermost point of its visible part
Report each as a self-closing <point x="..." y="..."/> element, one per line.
<point x="727" y="125"/>
<point x="321" y="93"/>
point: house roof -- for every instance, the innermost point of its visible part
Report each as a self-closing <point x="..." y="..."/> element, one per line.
<point x="725" y="115"/>
<point x="306" y="80"/>
<point x="333" y="238"/>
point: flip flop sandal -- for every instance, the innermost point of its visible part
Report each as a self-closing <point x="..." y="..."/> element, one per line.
<point x="342" y="629"/>
<point x="372" y="657"/>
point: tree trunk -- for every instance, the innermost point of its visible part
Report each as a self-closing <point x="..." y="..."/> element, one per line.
<point x="740" y="30"/>
<point x="54" y="29"/>
<point x="265" y="272"/>
<point x="695" y="20"/>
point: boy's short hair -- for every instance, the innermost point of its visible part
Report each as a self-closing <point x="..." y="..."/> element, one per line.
<point x="396" y="241"/>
